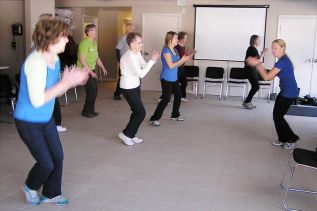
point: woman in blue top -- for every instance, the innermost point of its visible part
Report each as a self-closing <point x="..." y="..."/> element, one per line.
<point x="39" y="86"/>
<point x="283" y="69"/>
<point x="170" y="85"/>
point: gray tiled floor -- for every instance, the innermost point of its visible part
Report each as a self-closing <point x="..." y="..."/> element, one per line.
<point x="220" y="158"/>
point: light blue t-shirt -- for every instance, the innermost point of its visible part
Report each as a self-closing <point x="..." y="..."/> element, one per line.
<point x="24" y="110"/>
<point x="286" y="75"/>
<point x="167" y="73"/>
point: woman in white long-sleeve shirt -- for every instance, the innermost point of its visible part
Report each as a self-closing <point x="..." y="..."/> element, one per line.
<point x="133" y="67"/>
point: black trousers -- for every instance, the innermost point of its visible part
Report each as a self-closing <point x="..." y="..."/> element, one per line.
<point x="283" y="130"/>
<point x="91" y="95"/>
<point x="168" y="88"/>
<point x="182" y="80"/>
<point x="253" y="77"/>
<point x="118" y="91"/>
<point x="133" y="97"/>
<point x="57" y="114"/>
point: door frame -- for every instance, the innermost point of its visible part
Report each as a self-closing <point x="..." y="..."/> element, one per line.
<point x="144" y="18"/>
<point x="280" y="17"/>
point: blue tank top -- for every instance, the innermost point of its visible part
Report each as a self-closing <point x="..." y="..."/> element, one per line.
<point x="25" y="111"/>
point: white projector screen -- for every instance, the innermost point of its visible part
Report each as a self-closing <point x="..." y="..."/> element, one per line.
<point x="223" y="32"/>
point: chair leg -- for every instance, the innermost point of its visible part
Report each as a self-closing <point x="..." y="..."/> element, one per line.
<point x="76" y="97"/>
<point x="204" y="93"/>
<point x="288" y="165"/>
<point x="292" y="169"/>
<point x="220" y="94"/>
<point x="243" y="92"/>
<point x="269" y="95"/>
<point x="196" y="89"/>
<point x="66" y="100"/>
<point x="13" y="104"/>
<point x="227" y="90"/>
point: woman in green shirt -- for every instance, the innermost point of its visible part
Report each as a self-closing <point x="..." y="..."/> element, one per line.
<point x="88" y="58"/>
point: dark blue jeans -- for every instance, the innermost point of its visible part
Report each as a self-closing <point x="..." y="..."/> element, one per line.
<point x="43" y="142"/>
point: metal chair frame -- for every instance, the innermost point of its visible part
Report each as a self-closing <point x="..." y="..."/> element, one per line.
<point x="240" y="81"/>
<point x="214" y="81"/>
<point x="290" y="169"/>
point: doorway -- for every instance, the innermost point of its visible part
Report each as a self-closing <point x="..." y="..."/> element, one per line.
<point x="300" y="35"/>
<point x="154" y="28"/>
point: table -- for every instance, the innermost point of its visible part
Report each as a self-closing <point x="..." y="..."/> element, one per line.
<point x="302" y="110"/>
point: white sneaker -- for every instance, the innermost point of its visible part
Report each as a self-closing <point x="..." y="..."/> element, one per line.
<point x="61" y="129"/>
<point x="155" y="123"/>
<point x="179" y="118"/>
<point x="277" y="143"/>
<point x="137" y="140"/>
<point x="184" y="100"/>
<point x="289" y="146"/>
<point x="126" y="140"/>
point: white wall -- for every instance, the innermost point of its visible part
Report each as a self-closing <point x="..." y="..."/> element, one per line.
<point x="14" y="9"/>
<point x="11" y="12"/>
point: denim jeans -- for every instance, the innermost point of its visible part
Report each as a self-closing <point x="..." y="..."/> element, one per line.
<point x="133" y="98"/>
<point x="168" y="88"/>
<point x="57" y="114"/>
<point x="44" y="144"/>
<point x="283" y="130"/>
<point x="91" y="95"/>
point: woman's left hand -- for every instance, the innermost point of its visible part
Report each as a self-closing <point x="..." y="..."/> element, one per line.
<point x="155" y="56"/>
<point x="104" y="71"/>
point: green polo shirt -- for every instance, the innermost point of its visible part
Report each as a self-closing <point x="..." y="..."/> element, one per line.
<point x="88" y="48"/>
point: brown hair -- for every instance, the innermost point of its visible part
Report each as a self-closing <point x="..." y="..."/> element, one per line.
<point x="47" y="32"/>
<point x="169" y="37"/>
<point x="253" y="39"/>
<point x="181" y="35"/>
<point x="131" y="37"/>
<point x="89" y="27"/>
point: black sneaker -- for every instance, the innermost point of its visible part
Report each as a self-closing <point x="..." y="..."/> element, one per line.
<point x="88" y="114"/>
<point x="116" y="97"/>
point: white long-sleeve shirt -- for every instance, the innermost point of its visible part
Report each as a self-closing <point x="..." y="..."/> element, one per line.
<point x="133" y="67"/>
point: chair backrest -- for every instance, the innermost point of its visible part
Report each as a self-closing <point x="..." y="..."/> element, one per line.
<point x="191" y="71"/>
<point x="5" y="86"/>
<point x="215" y="72"/>
<point x="237" y="73"/>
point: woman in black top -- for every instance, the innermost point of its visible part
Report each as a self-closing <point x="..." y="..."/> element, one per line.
<point x="251" y="73"/>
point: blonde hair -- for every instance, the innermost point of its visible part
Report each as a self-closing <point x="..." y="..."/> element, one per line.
<point x="281" y="43"/>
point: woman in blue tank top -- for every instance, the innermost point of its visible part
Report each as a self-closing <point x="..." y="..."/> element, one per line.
<point x="39" y="87"/>
<point x="283" y="69"/>
<point x="170" y="85"/>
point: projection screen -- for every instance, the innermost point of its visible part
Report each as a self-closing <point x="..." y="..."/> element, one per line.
<point x="222" y="32"/>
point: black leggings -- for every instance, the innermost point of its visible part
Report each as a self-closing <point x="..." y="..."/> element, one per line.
<point x="253" y="77"/>
<point x="168" y="88"/>
<point x="283" y="130"/>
